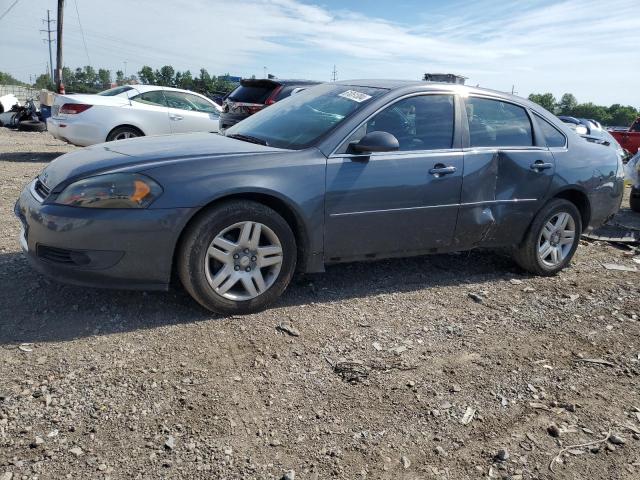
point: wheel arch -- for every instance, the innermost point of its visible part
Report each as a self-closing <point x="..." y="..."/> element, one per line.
<point x="130" y="125"/>
<point x="580" y="199"/>
<point x="276" y="202"/>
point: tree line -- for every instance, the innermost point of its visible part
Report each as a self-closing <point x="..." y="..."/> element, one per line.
<point x="89" y="80"/>
<point x="616" y="114"/>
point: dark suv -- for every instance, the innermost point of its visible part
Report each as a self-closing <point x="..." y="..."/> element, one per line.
<point x="254" y="94"/>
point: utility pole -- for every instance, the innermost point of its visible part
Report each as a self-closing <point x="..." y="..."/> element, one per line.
<point x="125" y="69"/>
<point x="59" y="84"/>
<point x="265" y="72"/>
<point x="334" y="74"/>
<point x="49" y="40"/>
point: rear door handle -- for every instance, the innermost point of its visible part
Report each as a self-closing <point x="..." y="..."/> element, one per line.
<point x="175" y="117"/>
<point x="440" y="170"/>
<point x="539" y="165"/>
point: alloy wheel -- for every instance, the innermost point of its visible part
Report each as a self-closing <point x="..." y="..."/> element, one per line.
<point x="243" y="261"/>
<point x="556" y="239"/>
<point x="125" y="135"/>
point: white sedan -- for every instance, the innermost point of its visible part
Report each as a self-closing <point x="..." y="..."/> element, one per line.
<point x="130" y="111"/>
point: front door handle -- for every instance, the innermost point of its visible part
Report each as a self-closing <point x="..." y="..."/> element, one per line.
<point x="539" y="165"/>
<point x="440" y="170"/>
<point x="175" y="117"/>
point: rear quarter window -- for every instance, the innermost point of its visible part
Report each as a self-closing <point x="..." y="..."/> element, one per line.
<point x="552" y="135"/>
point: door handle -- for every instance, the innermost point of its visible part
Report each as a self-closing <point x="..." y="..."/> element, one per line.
<point x="539" y="165"/>
<point x="440" y="170"/>
<point x="175" y="117"/>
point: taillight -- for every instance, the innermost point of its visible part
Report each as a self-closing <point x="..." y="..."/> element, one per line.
<point x="272" y="98"/>
<point x="251" y="109"/>
<point x="74" y="108"/>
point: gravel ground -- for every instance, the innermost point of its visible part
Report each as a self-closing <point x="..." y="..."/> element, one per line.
<point x="448" y="367"/>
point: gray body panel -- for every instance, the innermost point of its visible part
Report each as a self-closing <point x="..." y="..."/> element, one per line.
<point x="346" y="207"/>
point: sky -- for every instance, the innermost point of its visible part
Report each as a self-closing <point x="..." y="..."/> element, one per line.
<point x="590" y="48"/>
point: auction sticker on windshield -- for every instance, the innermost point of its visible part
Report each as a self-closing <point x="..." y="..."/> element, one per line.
<point x="355" y="96"/>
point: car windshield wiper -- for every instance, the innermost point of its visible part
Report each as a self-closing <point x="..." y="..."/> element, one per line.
<point x="248" y="138"/>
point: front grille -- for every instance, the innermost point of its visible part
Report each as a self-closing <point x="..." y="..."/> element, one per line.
<point x="41" y="189"/>
<point x="62" y="255"/>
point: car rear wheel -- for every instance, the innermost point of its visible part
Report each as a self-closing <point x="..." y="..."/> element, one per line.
<point x="552" y="239"/>
<point x="123" y="133"/>
<point x="237" y="257"/>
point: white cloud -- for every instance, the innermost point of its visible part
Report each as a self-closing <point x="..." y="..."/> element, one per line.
<point x="581" y="46"/>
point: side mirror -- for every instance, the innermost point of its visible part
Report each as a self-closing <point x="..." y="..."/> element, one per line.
<point x="376" y="142"/>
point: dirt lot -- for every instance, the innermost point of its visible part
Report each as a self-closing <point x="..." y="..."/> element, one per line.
<point x="448" y="367"/>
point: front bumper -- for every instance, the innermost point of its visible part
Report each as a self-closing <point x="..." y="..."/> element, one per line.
<point x="128" y="249"/>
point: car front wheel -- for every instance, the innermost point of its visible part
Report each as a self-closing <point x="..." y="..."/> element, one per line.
<point x="237" y="257"/>
<point x="552" y="239"/>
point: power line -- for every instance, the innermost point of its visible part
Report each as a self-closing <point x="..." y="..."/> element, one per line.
<point x="334" y="74"/>
<point x="49" y="40"/>
<point x="8" y="9"/>
<point x="86" y="50"/>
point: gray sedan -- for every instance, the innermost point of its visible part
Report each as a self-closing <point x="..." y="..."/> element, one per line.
<point x="341" y="172"/>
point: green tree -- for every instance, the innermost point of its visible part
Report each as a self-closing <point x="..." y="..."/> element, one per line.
<point x="622" y="115"/>
<point x="67" y="76"/>
<point x="545" y="100"/>
<point x="7" y="79"/>
<point x="165" y="76"/>
<point x="186" y="81"/>
<point x="567" y="103"/>
<point x="104" y="76"/>
<point x="591" y="110"/>
<point x="90" y="76"/>
<point x="119" y="77"/>
<point x="146" y="75"/>
<point x="44" y="81"/>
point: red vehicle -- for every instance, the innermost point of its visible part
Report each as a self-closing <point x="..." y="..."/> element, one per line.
<point x="629" y="139"/>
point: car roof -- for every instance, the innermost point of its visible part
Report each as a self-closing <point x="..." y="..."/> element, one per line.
<point x="277" y="81"/>
<point x="413" y="85"/>
<point x="148" y="88"/>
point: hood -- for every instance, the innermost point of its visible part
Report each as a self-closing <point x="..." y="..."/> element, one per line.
<point x="144" y="152"/>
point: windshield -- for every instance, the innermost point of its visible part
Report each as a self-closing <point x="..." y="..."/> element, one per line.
<point x="300" y="120"/>
<point x="112" y="92"/>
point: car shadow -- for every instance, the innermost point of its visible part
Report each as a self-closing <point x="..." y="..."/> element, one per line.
<point x="25" y="157"/>
<point x="35" y="309"/>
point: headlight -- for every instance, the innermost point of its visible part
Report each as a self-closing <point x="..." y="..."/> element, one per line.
<point x="116" y="190"/>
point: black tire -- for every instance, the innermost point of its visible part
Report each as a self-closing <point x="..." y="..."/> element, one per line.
<point x="634" y="199"/>
<point x="199" y="234"/>
<point x="121" y="132"/>
<point x="32" y="126"/>
<point x="526" y="254"/>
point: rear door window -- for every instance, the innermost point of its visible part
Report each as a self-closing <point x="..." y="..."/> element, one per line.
<point x="493" y="123"/>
